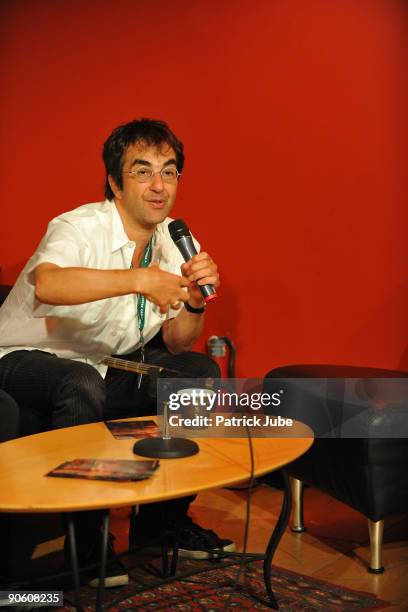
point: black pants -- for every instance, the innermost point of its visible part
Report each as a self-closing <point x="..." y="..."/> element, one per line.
<point x="9" y="417"/>
<point x="66" y="393"/>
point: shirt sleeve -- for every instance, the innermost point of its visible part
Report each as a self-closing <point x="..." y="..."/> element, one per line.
<point x="63" y="246"/>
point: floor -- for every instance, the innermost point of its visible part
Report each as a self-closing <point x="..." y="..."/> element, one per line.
<point x="334" y="548"/>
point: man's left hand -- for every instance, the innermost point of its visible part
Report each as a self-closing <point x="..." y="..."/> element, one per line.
<point x="200" y="270"/>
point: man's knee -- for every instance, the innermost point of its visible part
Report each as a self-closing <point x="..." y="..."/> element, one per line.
<point x="9" y="417"/>
<point x="81" y="396"/>
<point x="200" y="365"/>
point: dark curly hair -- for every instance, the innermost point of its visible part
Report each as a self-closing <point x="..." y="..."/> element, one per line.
<point x="152" y="132"/>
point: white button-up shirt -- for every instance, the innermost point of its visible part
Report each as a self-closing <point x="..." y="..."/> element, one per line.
<point x="91" y="236"/>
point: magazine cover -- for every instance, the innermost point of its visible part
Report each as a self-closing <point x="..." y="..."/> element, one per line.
<point x="123" y="430"/>
<point x="106" y="469"/>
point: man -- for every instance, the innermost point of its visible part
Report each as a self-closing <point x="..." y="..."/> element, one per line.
<point x="10" y="416"/>
<point x="107" y="279"/>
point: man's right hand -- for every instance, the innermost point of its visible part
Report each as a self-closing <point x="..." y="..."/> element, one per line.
<point x="162" y="288"/>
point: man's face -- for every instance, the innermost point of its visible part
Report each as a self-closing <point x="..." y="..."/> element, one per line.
<point x="144" y="205"/>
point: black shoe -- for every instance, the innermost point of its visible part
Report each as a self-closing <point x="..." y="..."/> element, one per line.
<point x="194" y="542"/>
<point x="89" y="560"/>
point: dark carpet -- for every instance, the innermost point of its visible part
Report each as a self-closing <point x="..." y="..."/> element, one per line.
<point x="213" y="591"/>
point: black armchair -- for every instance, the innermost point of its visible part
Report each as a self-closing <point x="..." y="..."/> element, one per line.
<point x="359" y="456"/>
<point x="20" y="534"/>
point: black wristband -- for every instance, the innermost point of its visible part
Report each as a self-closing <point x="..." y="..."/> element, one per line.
<point x="194" y="310"/>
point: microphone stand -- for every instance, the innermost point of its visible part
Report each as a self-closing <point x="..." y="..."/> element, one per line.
<point x="166" y="447"/>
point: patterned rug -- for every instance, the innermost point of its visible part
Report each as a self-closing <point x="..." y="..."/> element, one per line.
<point x="212" y="591"/>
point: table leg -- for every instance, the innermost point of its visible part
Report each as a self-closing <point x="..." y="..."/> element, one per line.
<point x="174" y="559"/>
<point x="74" y="561"/>
<point x="169" y="542"/>
<point x="165" y="559"/>
<point x="104" y="558"/>
<point x="164" y="543"/>
<point x="276" y="537"/>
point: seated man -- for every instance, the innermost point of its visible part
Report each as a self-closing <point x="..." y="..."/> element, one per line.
<point x="10" y="417"/>
<point x="107" y="280"/>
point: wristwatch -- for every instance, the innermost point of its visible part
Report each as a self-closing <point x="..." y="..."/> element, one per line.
<point x="194" y="310"/>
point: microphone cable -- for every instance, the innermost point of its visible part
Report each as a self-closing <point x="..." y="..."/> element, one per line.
<point x="232" y="353"/>
<point x="243" y="556"/>
<point x="249" y="488"/>
<point x="216" y="348"/>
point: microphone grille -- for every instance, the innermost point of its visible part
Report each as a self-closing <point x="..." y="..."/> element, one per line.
<point x="177" y="229"/>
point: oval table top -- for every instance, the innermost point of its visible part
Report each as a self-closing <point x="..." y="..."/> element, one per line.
<point x="24" y="463"/>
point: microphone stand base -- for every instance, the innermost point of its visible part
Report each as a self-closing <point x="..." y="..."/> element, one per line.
<point x="166" y="448"/>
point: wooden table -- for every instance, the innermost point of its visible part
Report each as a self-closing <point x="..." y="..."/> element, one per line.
<point x="24" y="488"/>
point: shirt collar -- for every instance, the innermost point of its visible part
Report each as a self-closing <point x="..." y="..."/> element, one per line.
<point x="120" y="238"/>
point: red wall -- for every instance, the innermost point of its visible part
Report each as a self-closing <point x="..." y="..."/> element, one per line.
<point x="293" y="117"/>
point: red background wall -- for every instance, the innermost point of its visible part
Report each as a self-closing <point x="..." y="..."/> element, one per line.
<point x="293" y="116"/>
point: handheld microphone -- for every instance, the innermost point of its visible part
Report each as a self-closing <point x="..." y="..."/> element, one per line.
<point x="181" y="236"/>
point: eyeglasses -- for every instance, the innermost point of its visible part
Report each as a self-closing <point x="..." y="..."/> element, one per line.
<point x="144" y="174"/>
